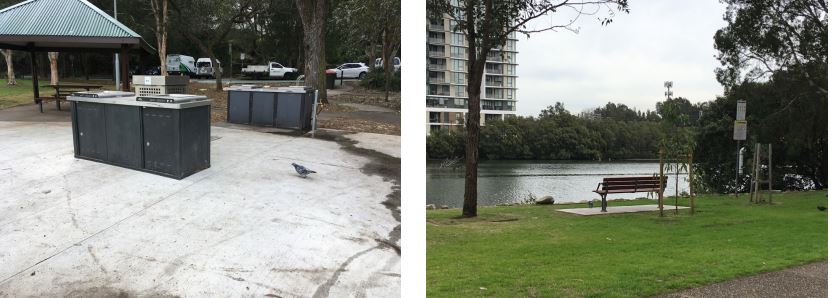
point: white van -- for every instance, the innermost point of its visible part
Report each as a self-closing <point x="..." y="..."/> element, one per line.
<point x="206" y="70"/>
<point x="180" y="64"/>
<point x="396" y="63"/>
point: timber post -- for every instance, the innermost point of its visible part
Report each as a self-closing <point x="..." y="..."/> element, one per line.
<point x="661" y="183"/>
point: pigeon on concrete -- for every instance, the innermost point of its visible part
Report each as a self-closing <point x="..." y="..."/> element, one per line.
<point x="821" y="208"/>
<point x="303" y="171"/>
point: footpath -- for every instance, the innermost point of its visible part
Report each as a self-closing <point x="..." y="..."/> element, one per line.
<point x="808" y="280"/>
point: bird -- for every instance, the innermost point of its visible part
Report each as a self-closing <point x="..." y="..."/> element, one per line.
<point x="821" y="208"/>
<point x="303" y="171"/>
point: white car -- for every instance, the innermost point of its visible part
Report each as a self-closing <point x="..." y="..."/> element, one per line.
<point x="351" y="70"/>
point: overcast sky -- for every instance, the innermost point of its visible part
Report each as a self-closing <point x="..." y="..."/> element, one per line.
<point x="624" y="62"/>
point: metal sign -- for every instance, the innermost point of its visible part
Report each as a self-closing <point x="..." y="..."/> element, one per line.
<point x="740" y="130"/>
<point x="741" y="111"/>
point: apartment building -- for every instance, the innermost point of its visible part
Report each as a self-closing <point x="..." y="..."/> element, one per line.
<point x="447" y="63"/>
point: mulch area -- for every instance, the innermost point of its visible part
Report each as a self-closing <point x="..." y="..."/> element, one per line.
<point x="343" y="122"/>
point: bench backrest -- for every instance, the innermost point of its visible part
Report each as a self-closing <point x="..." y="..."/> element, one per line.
<point x="641" y="182"/>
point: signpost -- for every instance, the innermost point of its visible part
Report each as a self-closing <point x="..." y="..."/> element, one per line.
<point x="739" y="135"/>
<point x="740" y="130"/>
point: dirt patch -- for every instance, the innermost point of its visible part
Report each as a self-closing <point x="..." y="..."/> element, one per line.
<point x="360" y="125"/>
<point x="493" y="218"/>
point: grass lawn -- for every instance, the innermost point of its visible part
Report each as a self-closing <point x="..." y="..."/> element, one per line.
<point x="21" y="93"/>
<point x="535" y="251"/>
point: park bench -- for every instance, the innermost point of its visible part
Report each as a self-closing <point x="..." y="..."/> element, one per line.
<point x="617" y="185"/>
<point x="61" y="93"/>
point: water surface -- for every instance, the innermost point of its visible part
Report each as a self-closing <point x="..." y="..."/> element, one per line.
<point x="503" y="182"/>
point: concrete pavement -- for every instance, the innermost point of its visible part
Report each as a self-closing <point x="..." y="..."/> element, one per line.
<point x="247" y="226"/>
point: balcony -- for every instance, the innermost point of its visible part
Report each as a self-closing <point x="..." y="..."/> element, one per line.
<point x="436" y="54"/>
<point x="436" y="66"/>
<point x="497" y="108"/>
<point x="437" y="81"/>
<point x="498" y="71"/>
<point x="436" y="27"/>
<point x="444" y="103"/>
<point x="494" y="84"/>
<point x="436" y="40"/>
<point x="494" y="58"/>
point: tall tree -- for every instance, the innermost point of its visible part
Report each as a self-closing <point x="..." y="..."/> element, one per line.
<point x="160" y="14"/>
<point x="765" y="36"/>
<point x="391" y="38"/>
<point x="488" y="24"/>
<point x="10" y="79"/>
<point x="207" y="23"/>
<point x="314" y="18"/>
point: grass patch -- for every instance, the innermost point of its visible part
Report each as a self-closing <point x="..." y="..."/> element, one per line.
<point x="544" y="253"/>
<point x="21" y="93"/>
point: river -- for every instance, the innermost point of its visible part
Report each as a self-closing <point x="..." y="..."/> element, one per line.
<point x="502" y="182"/>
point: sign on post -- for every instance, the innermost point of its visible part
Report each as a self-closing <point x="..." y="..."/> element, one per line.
<point x="740" y="130"/>
<point x="741" y="111"/>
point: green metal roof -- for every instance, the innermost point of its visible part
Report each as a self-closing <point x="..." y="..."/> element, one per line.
<point x="61" y="18"/>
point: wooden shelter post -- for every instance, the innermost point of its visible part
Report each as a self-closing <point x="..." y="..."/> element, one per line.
<point x="124" y="57"/>
<point x="691" y="180"/>
<point x="35" y="90"/>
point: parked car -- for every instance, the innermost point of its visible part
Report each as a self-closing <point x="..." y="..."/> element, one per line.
<point x="271" y="70"/>
<point x="180" y="64"/>
<point x="155" y="71"/>
<point x="396" y="63"/>
<point x="206" y="70"/>
<point x="355" y="70"/>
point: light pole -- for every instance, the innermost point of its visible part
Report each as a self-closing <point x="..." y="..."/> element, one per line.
<point x="118" y="76"/>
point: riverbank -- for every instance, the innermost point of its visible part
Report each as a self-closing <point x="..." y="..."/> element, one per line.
<point x="535" y="251"/>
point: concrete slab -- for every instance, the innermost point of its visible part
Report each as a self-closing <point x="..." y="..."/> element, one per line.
<point x="617" y="209"/>
<point x="377" y="142"/>
<point x="247" y="226"/>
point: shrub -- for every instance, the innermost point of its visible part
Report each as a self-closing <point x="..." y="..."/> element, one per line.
<point x="375" y="79"/>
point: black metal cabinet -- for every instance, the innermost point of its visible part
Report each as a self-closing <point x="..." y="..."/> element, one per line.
<point x="123" y="125"/>
<point x="90" y="139"/>
<point x="160" y="140"/>
<point x="155" y="138"/>
<point x="239" y="107"/>
<point x="290" y="109"/>
<point x="263" y="108"/>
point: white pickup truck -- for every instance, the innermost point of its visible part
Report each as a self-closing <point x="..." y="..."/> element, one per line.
<point x="272" y="70"/>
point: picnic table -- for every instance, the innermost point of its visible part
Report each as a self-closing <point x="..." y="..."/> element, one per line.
<point x="64" y="89"/>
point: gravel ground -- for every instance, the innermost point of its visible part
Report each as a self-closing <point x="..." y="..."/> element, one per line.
<point x="803" y="281"/>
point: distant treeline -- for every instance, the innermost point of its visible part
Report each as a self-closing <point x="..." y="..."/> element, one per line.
<point x="611" y="132"/>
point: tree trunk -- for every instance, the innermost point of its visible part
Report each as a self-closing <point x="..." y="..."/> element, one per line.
<point x="218" y="77"/>
<point x="9" y="67"/>
<point x="476" y="67"/>
<point x="53" y="68"/>
<point x="314" y="17"/>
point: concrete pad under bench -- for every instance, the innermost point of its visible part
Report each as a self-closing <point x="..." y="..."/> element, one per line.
<point x="617" y="209"/>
